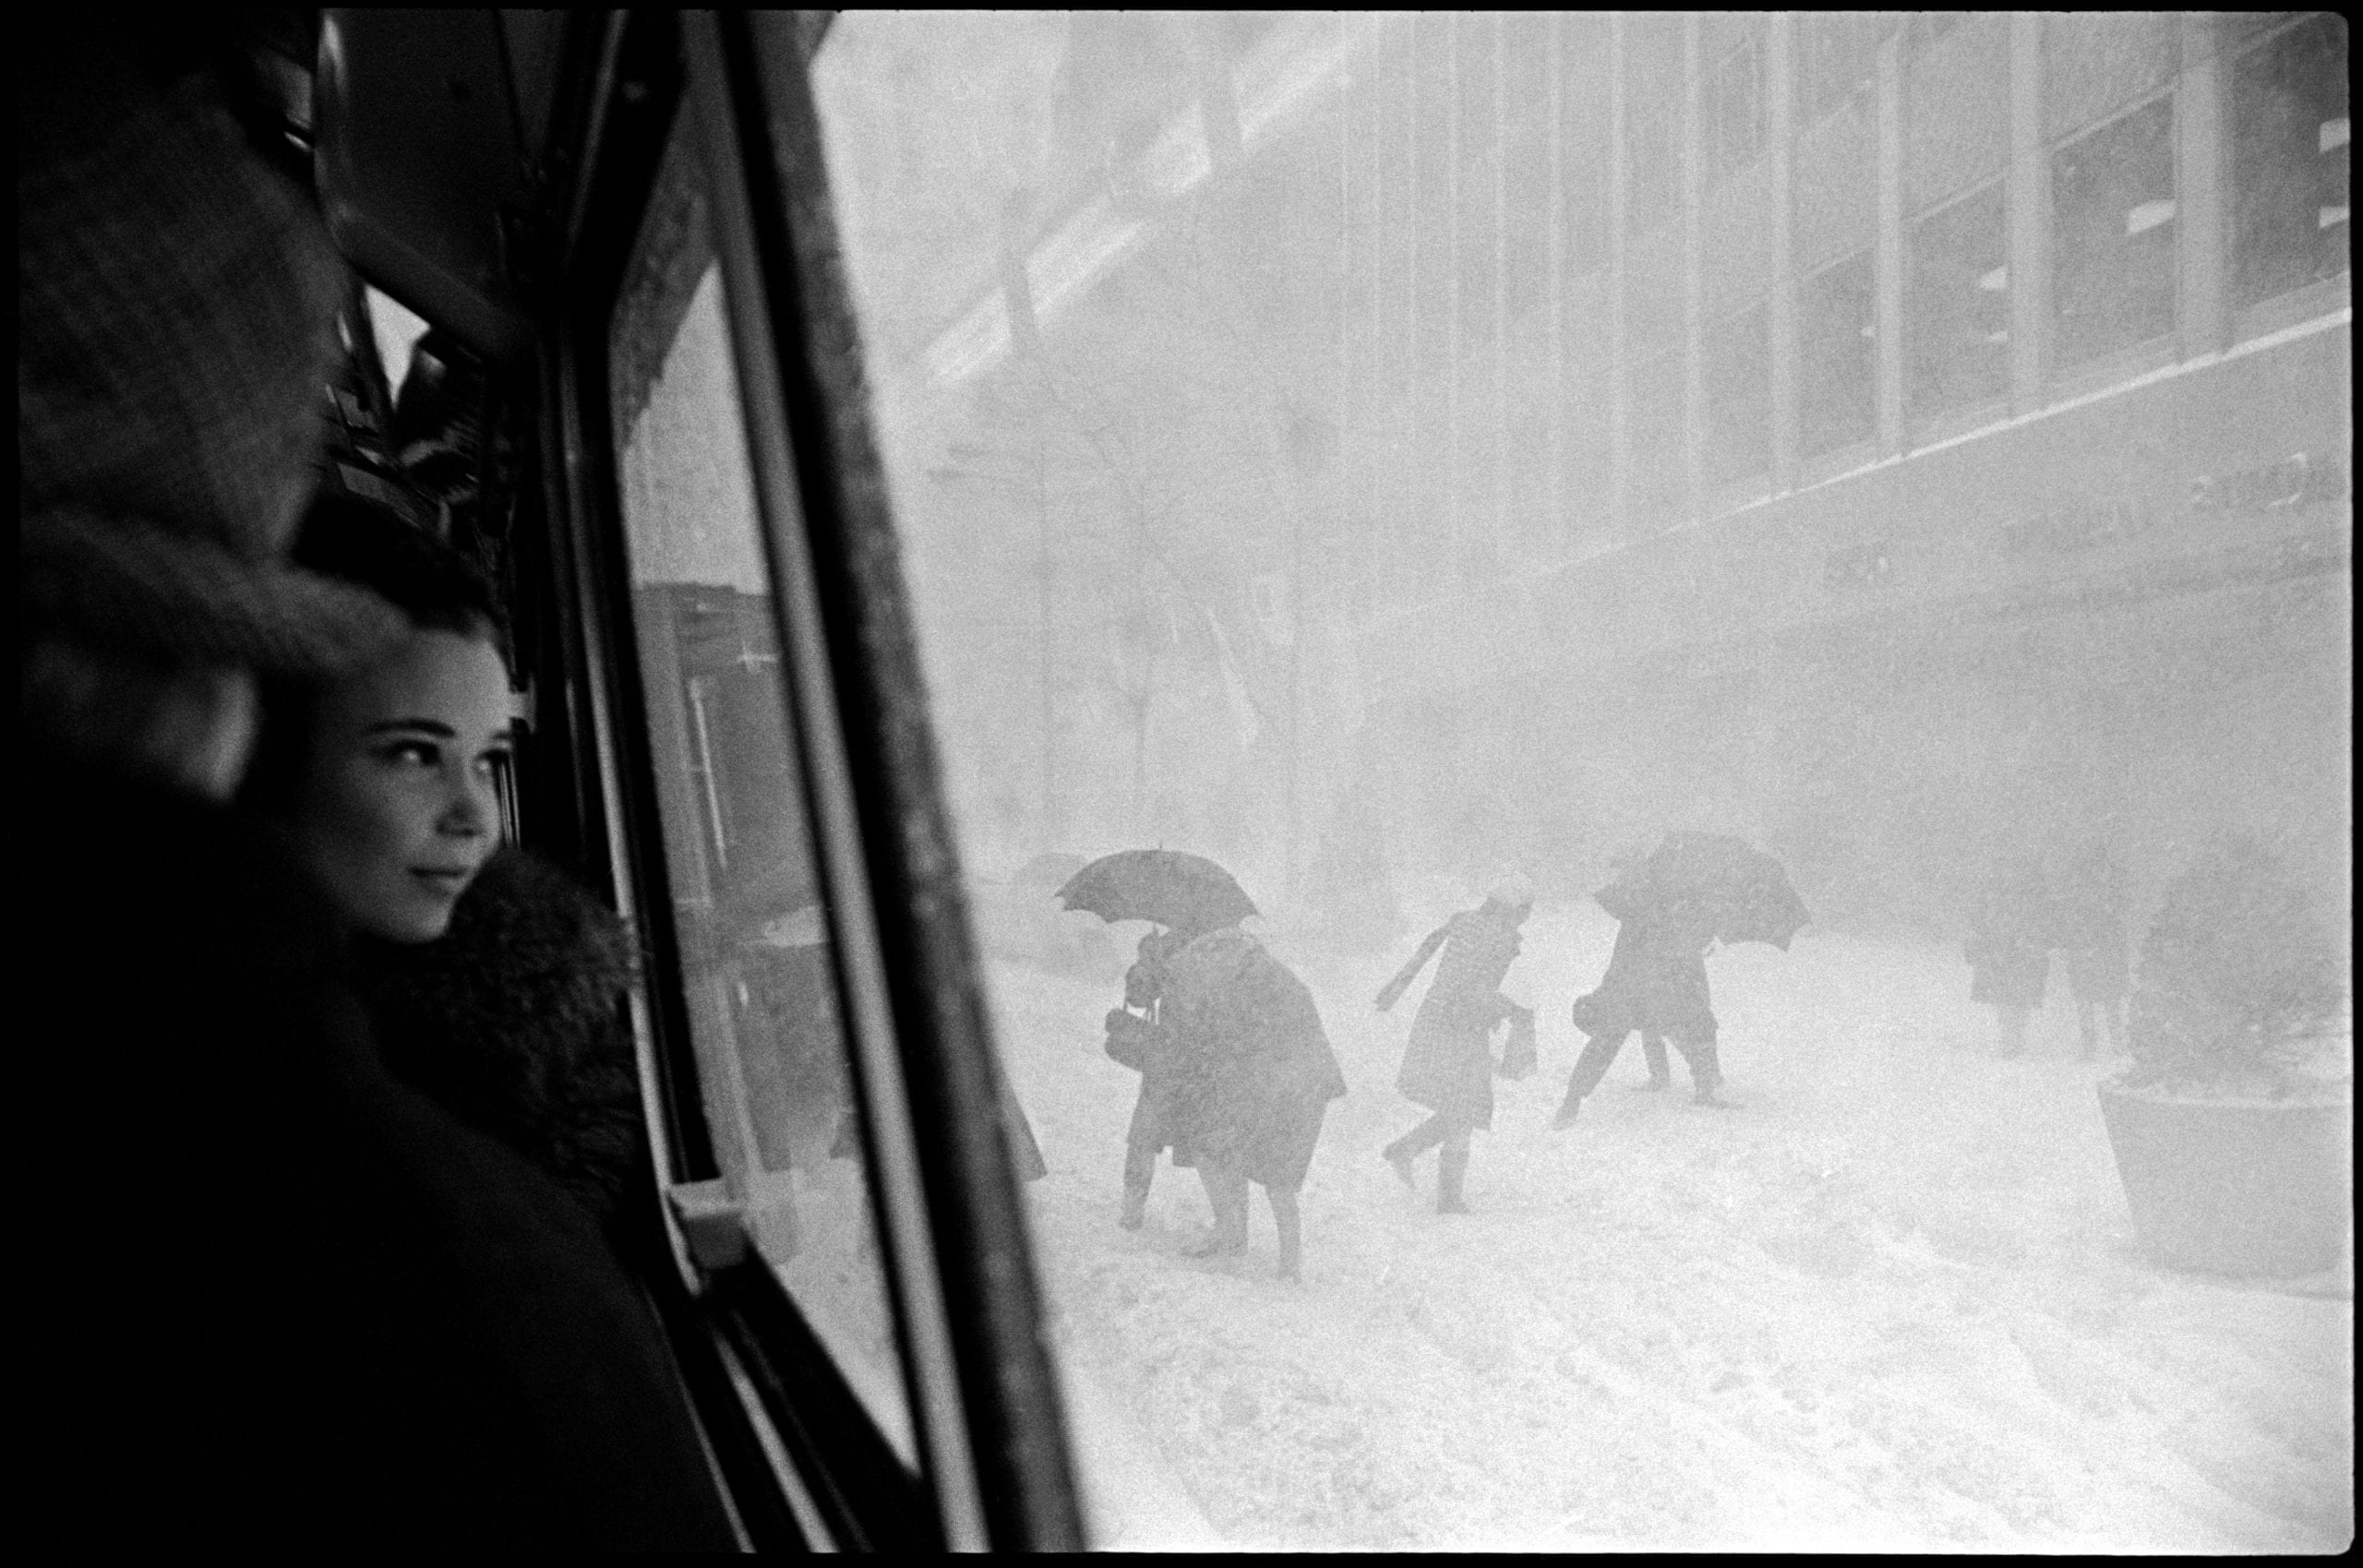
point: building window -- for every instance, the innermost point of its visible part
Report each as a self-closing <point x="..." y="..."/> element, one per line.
<point x="1837" y="393"/>
<point x="1837" y="54"/>
<point x="1653" y="84"/>
<point x="1653" y="170"/>
<point x="1957" y="305"/>
<point x="2289" y="152"/>
<point x="2113" y="235"/>
<point x="1738" y="375"/>
<point x="1657" y="478"/>
<point x="1735" y="111"/>
<point x="1927" y="26"/>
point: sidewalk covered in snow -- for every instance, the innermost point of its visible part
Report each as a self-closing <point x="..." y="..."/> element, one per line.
<point x="1891" y="1302"/>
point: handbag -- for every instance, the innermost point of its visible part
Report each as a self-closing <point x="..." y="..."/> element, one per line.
<point x="1133" y="1041"/>
<point x="1518" y="1051"/>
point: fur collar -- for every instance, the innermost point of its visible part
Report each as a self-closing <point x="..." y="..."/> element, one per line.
<point x="510" y="1022"/>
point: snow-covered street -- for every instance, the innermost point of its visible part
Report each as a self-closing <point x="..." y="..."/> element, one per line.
<point x="1891" y="1301"/>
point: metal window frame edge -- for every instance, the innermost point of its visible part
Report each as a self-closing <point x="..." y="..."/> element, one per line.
<point x="985" y="1395"/>
<point x="776" y="1498"/>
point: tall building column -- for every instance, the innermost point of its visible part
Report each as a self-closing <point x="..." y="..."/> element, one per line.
<point x="1620" y="460"/>
<point x="1694" y="379"/>
<point x="2203" y="217"/>
<point x="1887" y="258"/>
<point x="2030" y="200"/>
<point x="1780" y="120"/>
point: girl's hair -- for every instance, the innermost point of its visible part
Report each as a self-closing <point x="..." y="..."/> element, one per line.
<point x="371" y="545"/>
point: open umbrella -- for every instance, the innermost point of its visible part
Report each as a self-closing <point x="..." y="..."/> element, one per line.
<point x="1164" y="885"/>
<point x="1748" y="889"/>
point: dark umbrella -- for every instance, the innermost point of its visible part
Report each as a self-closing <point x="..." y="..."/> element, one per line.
<point x="1184" y="890"/>
<point x="1749" y="889"/>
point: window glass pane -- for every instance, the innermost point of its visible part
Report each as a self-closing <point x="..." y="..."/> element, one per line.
<point x="1217" y="478"/>
<point x="756" y="978"/>
<point x="1273" y="541"/>
<point x="2289" y="160"/>
<point x="1738" y="370"/>
<point x="1837" y="52"/>
<point x="2113" y="235"/>
<point x="1837" y="398"/>
<point x="1957" y="307"/>
<point x="1734" y="127"/>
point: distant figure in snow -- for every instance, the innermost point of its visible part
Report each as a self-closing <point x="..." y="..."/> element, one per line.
<point x="1656" y="983"/>
<point x="2093" y="936"/>
<point x="1136" y="1040"/>
<point x="1448" y="1062"/>
<point x="2011" y="933"/>
<point x="1252" y="1079"/>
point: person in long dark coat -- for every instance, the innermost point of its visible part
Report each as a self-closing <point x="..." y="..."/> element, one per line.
<point x="1448" y="1063"/>
<point x="1252" y="1076"/>
<point x="1656" y="983"/>
<point x="1136" y="1039"/>
<point x="265" y="1296"/>
<point x="2011" y="933"/>
<point x="2093" y="936"/>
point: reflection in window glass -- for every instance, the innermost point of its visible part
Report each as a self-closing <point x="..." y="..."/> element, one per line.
<point x="2290" y="184"/>
<point x="1837" y="393"/>
<point x="1957" y="307"/>
<point x="1738" y="371"/>
<point x="757" y="980"/>
<point x="2113" y="235"/>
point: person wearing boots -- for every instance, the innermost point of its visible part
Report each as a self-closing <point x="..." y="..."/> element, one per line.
<point x="1656" y="983"/>
<point x="2092" y="935"/>
<point x="1136" y="1039"/>
<point x="1252" y="1077"/>
<point x="2011" y="933"/>
<point x="1447" y="1063"/>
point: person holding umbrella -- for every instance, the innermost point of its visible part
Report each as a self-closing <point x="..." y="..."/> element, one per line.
<point x="1447" y="1063"/>
<point x="1183" y="896"/>
<point x="1136" y="1040"/>
<point x="1694" y="890"/>
<point x="1237" y="1073"/>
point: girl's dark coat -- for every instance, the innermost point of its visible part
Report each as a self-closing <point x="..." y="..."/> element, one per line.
<point x="512" y="1021"/>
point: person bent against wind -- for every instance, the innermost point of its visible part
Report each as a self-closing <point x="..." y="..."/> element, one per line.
<point x="1447" y="1063"/>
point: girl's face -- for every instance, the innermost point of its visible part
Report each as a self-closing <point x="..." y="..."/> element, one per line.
<point x="398" y="810"/>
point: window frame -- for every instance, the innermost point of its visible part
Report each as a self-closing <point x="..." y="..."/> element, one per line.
<point x="805" y="1462"/>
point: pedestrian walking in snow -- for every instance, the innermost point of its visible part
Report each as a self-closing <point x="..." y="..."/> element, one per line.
<point x="1252" y="1076"/>
<point x="1137" y="1039"/>
<point x="2011" y="933"/>
<point x="1448" y="1063"/>
<point x="2094" y="941"/>
<point x="1656" y="983"/>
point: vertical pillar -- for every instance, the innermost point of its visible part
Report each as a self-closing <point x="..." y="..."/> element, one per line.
<point x="1692" y="141"/>
<point x="2030" y="199"/>
<point x="1556" y="482"/>
<point x="2203" y="219"/>
<point x="1887" y="258"/>
<point x="1619" y="457"/>
<point x="1779" y="123"/>
<point x="1456" y="547"/>
<point x="1413" y="476"/>
<point x="1500" y="414"/>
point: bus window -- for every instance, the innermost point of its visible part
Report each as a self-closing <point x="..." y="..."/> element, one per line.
<point x="758" y="979"/>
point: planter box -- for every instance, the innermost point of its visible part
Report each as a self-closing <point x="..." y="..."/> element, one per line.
<point x="2242" y="1187"/>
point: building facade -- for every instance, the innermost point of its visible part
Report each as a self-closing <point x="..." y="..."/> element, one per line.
<point x="1901" y="436"/>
